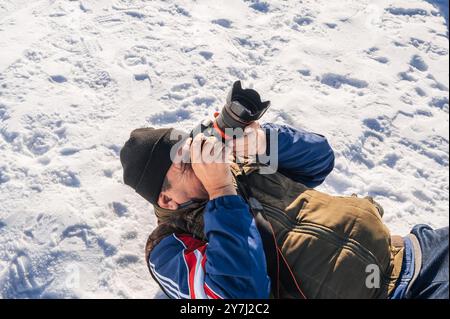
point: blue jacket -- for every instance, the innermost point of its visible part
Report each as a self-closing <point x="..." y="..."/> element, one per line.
<point x="231" y="264"/>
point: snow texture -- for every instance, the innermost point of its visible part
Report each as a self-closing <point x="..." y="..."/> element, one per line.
<point x="77" y="76"/>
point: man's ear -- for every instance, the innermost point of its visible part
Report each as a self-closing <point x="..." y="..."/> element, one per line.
<point x="166" y="202"/>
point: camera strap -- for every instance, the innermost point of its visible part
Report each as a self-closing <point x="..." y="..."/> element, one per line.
<point x="277" y="267"/>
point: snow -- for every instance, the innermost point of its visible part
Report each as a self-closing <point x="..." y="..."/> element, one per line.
<point x="77" y="76"/>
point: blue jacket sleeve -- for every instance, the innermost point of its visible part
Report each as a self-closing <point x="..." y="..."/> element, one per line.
<point x="302" y="156"/>
<point x="230" y="265"/>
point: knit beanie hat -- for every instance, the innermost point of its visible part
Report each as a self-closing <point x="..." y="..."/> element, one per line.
<point x="146" y="159"/>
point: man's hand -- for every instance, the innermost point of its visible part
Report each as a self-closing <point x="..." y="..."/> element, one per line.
<point x="210" y="162"/>
<point x="253" y="142"/>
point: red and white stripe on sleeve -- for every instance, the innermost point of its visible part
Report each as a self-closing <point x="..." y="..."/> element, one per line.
<point x="195" y="259"/>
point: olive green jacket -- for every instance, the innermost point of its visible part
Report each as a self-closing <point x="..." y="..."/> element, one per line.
<point x="337" y="247"/>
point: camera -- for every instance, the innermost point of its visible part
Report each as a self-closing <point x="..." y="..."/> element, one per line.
<point x="243" y="107"/>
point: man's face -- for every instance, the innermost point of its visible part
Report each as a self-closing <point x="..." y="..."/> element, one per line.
<point x="183" y="185"/>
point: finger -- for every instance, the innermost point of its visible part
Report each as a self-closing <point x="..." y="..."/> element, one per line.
<point x="262" y="142"/>
<point x="228" y="156"/>
<point x="241" y="147"/>
<point x="256" y="139"/>
<point x="218" y="154"/>
<point x="208" y="144"/>
<point x="217" y="151"/>
<point x="241" y="141"/>
<point x="179" y="154"/>
<point x="196" y="148"/>
<point x="208" y="149"/>
<point x="224" y="154"/>
<point x="182" y="147"/>
<point x="250" y="146"/>
<point x="186" y="150"/>
<point x="250" y="138"/>
<point x="225" y="151"/>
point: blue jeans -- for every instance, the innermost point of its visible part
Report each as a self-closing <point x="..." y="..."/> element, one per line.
<point x="424" y="273"/>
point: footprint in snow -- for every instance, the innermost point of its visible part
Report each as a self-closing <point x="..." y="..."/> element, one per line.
<point x="200" y="80"/>
<point x="406" y="11"/>
<point x="4" y="178"/>
<point x="168" y="117"/>
<point x="109" y="20"/>
<point x="125" y="260"/>
<point x="3" y="113"/>
<point x="58" y="78"/>
<point x="305" y="72"/>
<point x="22" y="283"/>
<point x="225" y="23"/>
<point x="66" y="177"/>
<point x="331" y="25"/>
<point x="177" y="10"/>
<point x="181" y="87"/>
<point x="68" y="151"/>
<point x="391" y="160"/>
<point x="260" y="6"/>
<point x="407" y="76"/>
<point x="136" y="55"/>
<point x="380" y="125"/>
<point x="303" y="20"/>
<point x="206" y="54"/>
<point x="119" y="208"/>
<point x="135" y="14"/>
<point x="436" y="84"/>
<point x="420" y="92"/>
<point x="207" y="101"/>
<point x="418" y="62"/>
<point x="40" y="141"/>
<point x="336" y="81"/>
<point x="89" y="238"/>
<point x="427" y="46"/>
<point x="372" y="54"/>
<point x="440" y="103"/>
<point x="142" y="77"/>
<point x="123" y="5"/>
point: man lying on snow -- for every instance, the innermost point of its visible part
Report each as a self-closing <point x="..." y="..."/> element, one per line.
<point x="226" y="230"/>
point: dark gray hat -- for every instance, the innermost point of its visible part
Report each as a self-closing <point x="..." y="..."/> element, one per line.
<point x="146" y="159"/>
